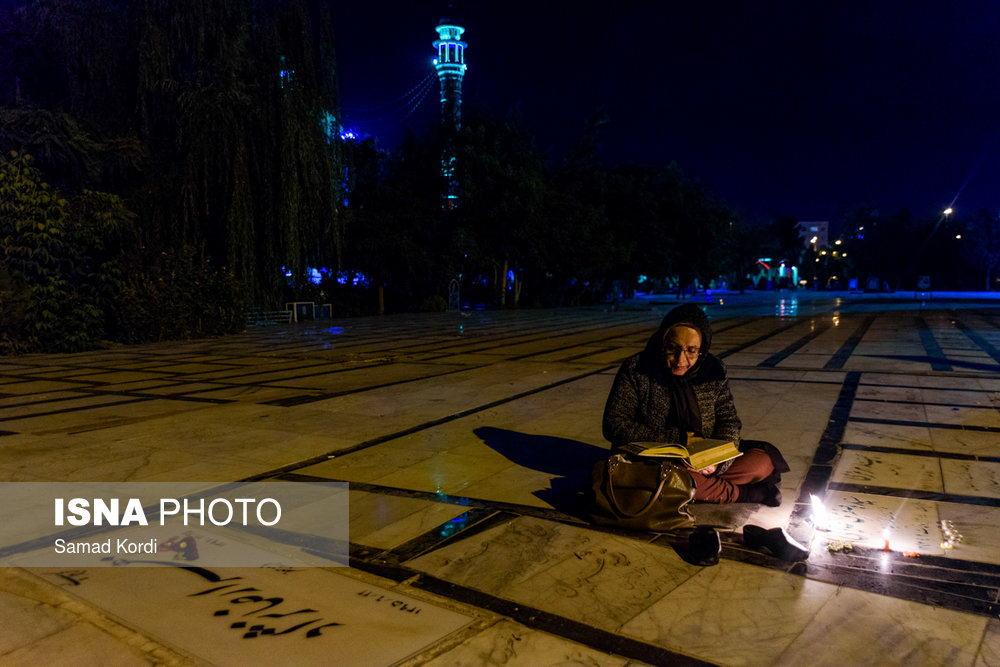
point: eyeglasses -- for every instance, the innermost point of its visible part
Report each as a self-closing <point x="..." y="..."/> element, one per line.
<point x="689" y="352"/>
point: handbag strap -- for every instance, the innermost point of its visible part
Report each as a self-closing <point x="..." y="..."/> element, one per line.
<point x="613" y="463"/>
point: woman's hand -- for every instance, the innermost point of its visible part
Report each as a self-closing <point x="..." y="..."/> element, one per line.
<point x="709" y="470"/>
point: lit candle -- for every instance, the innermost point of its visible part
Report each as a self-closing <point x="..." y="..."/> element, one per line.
<point x="885" y="535"/>
<point x="820" y="517"/>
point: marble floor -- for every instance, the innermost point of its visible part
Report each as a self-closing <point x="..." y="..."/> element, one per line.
<point x="463" y="438"/>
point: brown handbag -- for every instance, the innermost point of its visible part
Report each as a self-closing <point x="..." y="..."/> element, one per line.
<point x="641" y="494"/>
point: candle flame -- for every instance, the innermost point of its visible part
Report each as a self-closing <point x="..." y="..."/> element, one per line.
<point x="820" y="517"/>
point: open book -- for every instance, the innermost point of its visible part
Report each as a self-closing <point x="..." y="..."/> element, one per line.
<point x="698" y="454"/>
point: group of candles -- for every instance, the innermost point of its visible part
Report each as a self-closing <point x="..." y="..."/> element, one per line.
<point x="821" y="521"/>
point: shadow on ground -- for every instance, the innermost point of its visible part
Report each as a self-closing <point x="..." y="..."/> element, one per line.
<point x="569" y="461"/>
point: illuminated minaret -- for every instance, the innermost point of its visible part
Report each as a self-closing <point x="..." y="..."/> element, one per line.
<point x="450" y="66"/>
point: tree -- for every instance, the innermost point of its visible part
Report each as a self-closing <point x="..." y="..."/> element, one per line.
<point x="744" y="246"/>
<point x="61" y="272"/>
<point x="701" y="228"/>
<point x="981" y="244"/>
<point x="582" y="249"/>
<point x="395" y="240"/>
<point x="880" y="247"/>
<point x="188" y="110"/>
<point x="503" y="186"/>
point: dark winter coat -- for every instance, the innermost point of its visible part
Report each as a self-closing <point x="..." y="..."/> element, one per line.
<point x="640" y="408"/>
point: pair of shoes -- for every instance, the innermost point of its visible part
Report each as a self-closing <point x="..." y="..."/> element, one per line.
<point x="774" y="541"/>
<point x="761" y="492"/>
<point x="704" y="545"/>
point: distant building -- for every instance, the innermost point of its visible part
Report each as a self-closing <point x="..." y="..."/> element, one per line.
<point x="820" y="231"/>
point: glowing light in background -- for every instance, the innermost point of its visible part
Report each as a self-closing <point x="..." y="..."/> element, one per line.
<point x="316" y="275"/>
<point x="353" y="279"/>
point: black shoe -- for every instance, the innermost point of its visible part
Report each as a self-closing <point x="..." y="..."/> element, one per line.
<point x="704" y="545"/>
<point x="774" y="541"/>
<point x="761" y="492"/>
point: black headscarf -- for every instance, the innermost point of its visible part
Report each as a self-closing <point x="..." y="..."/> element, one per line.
<point x="685" y="413"/>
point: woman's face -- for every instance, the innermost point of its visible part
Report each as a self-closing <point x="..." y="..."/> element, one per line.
<point x="682" y="347"/>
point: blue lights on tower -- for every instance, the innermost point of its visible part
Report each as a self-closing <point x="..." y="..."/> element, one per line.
<point x="450" y="66"/>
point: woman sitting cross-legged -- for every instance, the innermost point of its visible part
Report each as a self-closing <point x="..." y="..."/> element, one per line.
<point x="675" y="387"/>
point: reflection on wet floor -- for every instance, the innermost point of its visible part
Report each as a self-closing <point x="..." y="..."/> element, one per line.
<point x="787" y="308"/>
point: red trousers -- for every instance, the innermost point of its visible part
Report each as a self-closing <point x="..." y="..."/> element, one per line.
<point x="753" y="466"/>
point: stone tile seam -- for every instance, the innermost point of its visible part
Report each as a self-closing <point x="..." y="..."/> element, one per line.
<point x="421" y="427"/>
<point x="903" y="451"/>
<point x="506" y="342"/>
<point x="759" y="339"/>
<point x="302" y="399"/>
<point x="976" y="337"/>
<point x="778" y="357"/>
<point x="931" y="346"/>
<point x="74" y="409"/>
<point x="913" y="494"/>
<point x="890" y="401"/>
<point x="504" y="511"/>
<point x="561" y="626"/>
<point x="841" y="356"/>
<point x="917" y="386"/>
<point x="918" y="424"/>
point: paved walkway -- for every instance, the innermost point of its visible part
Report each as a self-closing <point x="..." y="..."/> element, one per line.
<point x="462" y="436"/>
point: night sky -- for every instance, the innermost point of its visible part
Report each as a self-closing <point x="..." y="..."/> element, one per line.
<point x="798" y="109"/>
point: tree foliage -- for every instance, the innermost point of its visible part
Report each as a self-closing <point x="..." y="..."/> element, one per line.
<point x="524" y="232"/>
<point x="981" y="245"/>
<point x="60" y="265"/>
<point x="215" y="121"/>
